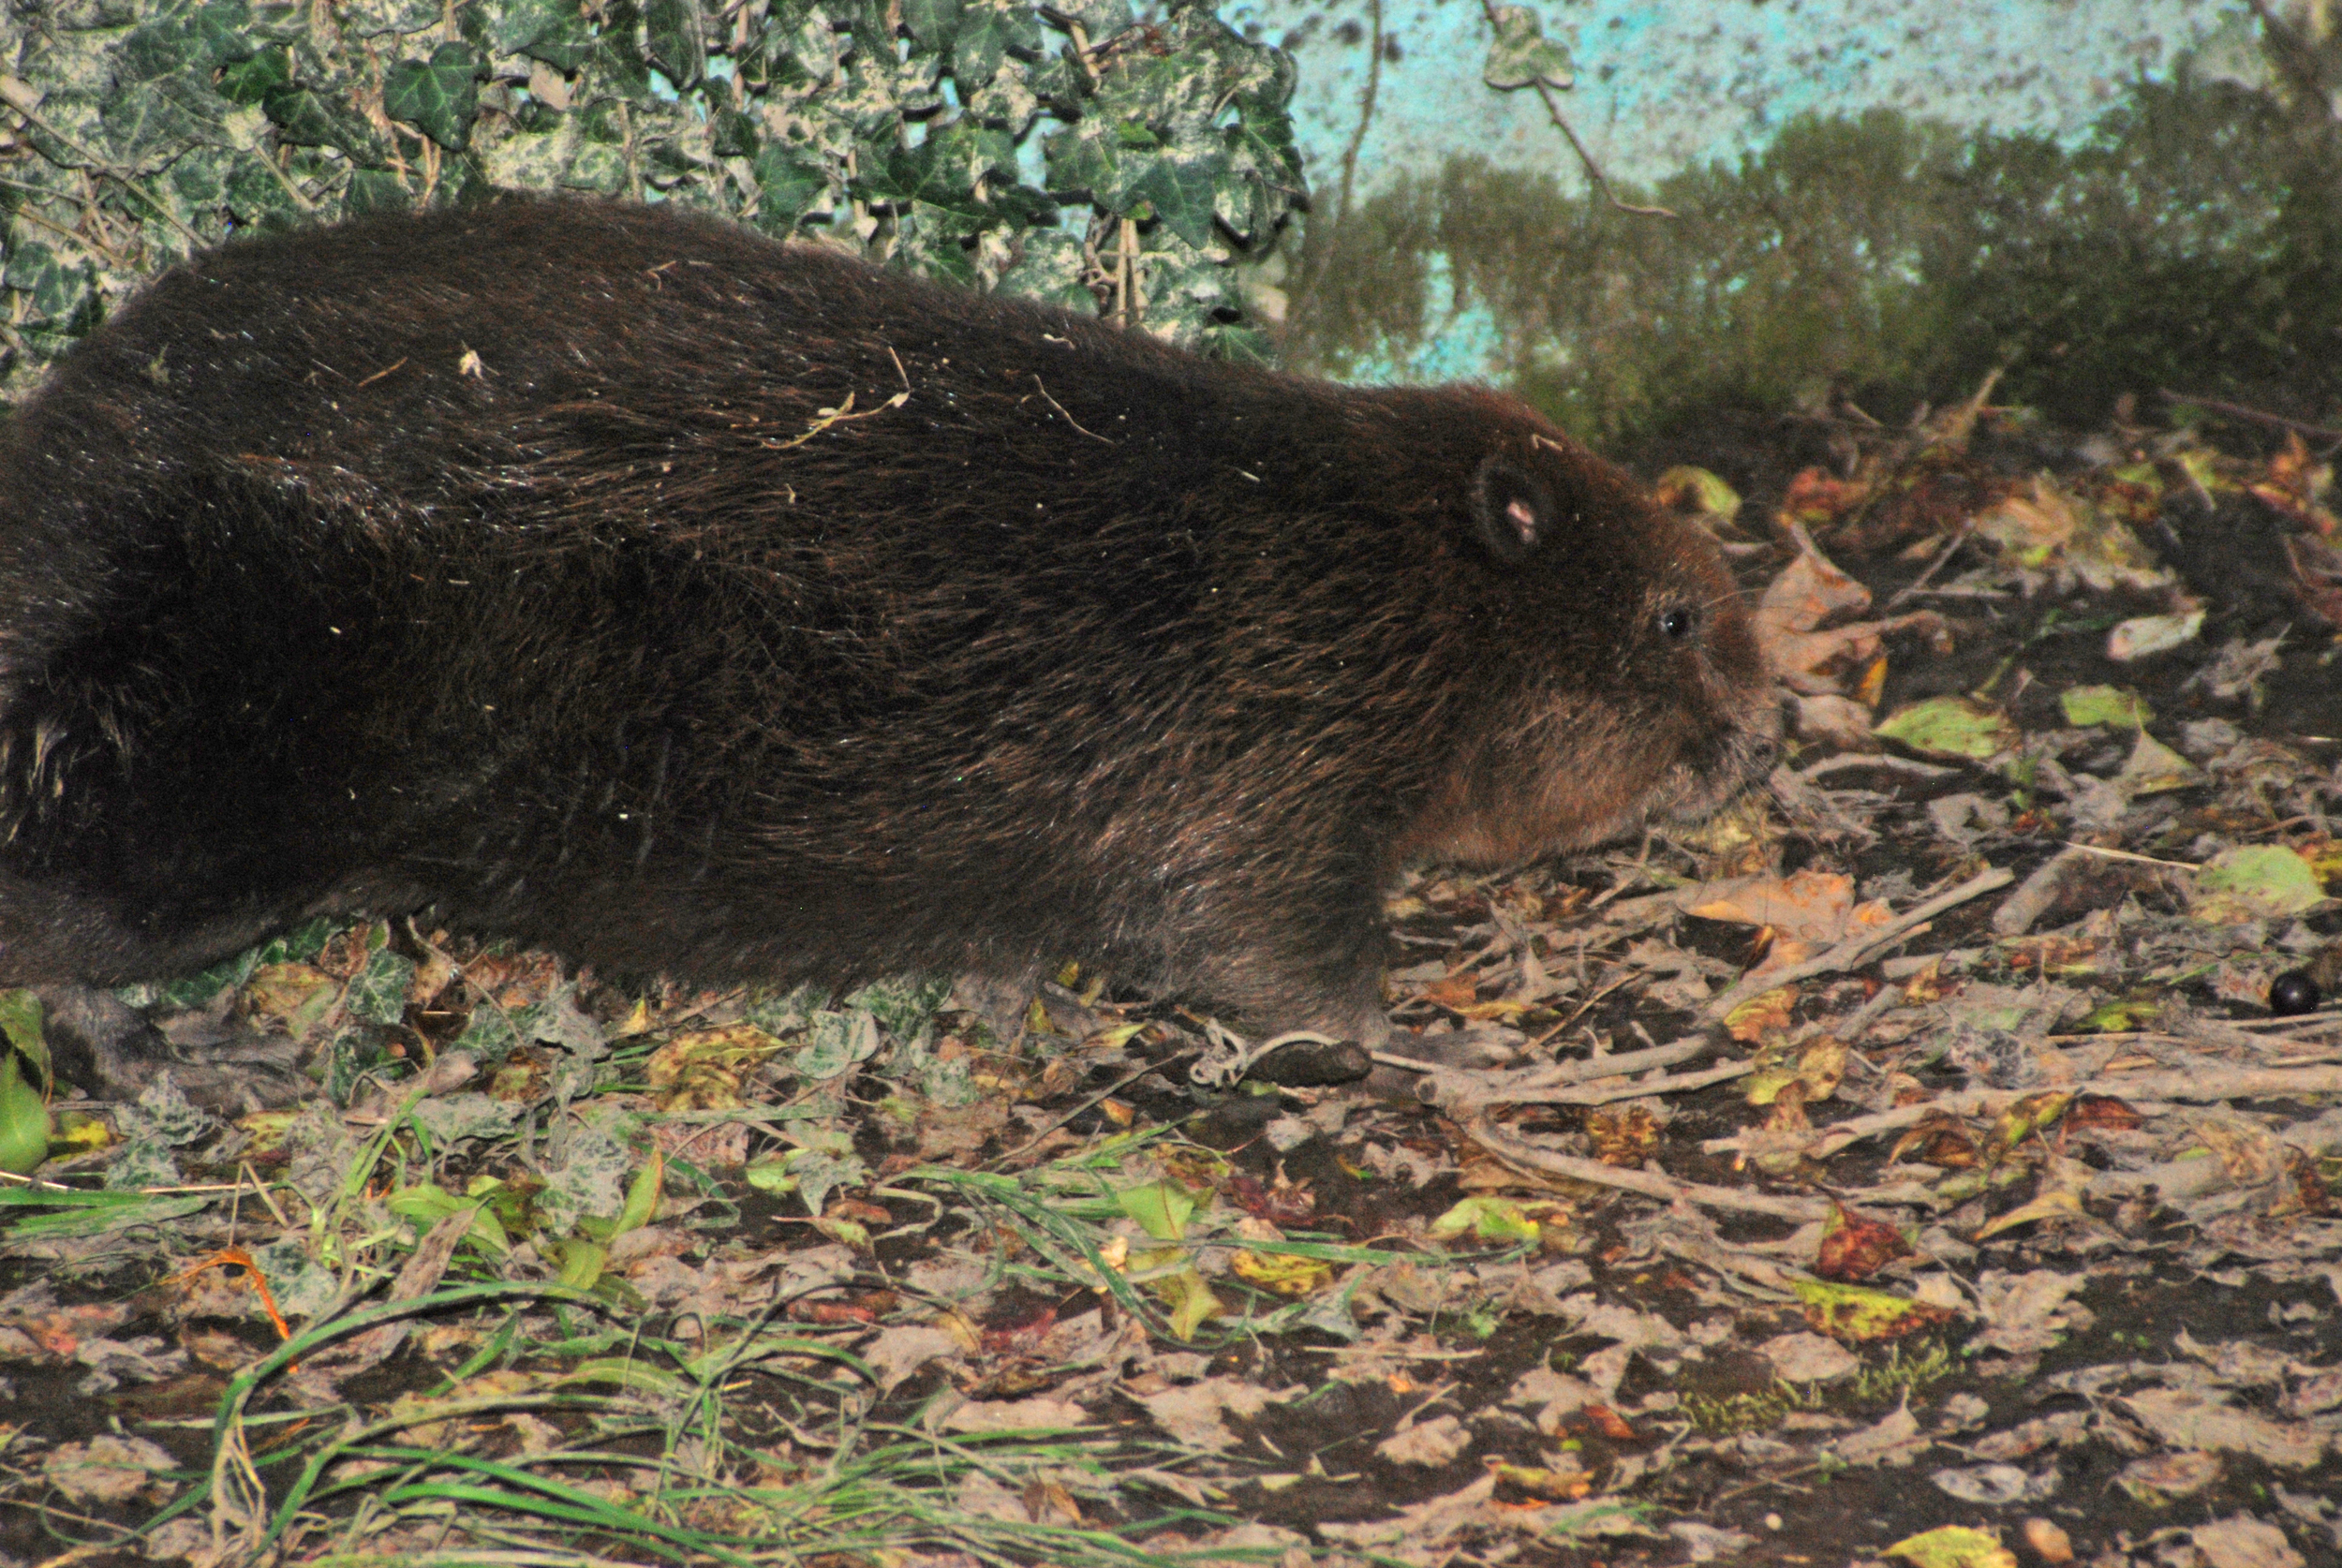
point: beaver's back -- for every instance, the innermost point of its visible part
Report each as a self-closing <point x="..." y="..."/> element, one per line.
<point x="628" y="582"/>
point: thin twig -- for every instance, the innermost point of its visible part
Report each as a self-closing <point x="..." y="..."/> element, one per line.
<point x="2130" y="857"/>
<point x="1561" y="123"/>
<point x="2200" y="1084"/>
<point x="1857" y="949"/>
<point x="2258" y="416"/>
<point x="1088" y="1104"/>
<point x="1365" y="113"/>
<point x="24" y="100"/>
<point x="1958" y="538"/>
<point x="1650" y="1184"/>
<point x="1070" y="419"/>
<point x="1879" y="760"/>
<point x="1340" y="218"/>
<point x="1447" y="1086"/>
<point x="1451" y="1095"/>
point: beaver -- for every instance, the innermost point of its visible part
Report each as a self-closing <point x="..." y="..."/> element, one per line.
<point x="626" y="582"/>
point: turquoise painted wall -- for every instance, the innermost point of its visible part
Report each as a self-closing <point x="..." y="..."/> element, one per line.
<point x="1667" y="83"/>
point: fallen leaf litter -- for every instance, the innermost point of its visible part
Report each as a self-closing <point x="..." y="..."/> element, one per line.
<point x="1975" y="1082"/>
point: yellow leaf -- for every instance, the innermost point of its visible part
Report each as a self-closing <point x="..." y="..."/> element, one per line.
<point x="1190" y="1299"/>
<point x="2058" y="1205"/>
<point x="1854" y="1315"/>
<point x="1282" y="1272"/>
<point x="2025" y="1118"/>
<point x="1953" y="1546"/>
<point x="1761" y="1014"/>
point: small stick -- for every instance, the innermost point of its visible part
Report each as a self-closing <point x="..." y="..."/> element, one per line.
<point x="1855" y="949"/>
<point x="1958" y="538"/>
<point x="1650" y="1184"/>
<point x="1450" y="1095"/>
<point x="1092" y="1103"/>
<point x="2238" y="410"/>
<point x="2128" y="855"/>
<point x="2198" y="1084"/>
<point x="1585" y="158"/>
<point x="1878" y="759"/>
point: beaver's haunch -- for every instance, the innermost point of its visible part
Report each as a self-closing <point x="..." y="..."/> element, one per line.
<point x="628" y="584"/>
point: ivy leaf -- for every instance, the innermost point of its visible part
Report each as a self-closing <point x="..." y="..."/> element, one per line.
<point x="1182" y="194"/>
<point x="56" y="291"/>
<point x="440" y="96"/>
<point x="733" y="135"/>
<point x="378" y="993"/>
<point x="1100" y="18"/>
<point x="903" y="1007"/>
<point x="933" y="22"/>
<point x="376" y="190"/>
<point x="675" y="32"/>
<point x="248" y="82"/>
<point x="977" y="50"/>
<point x="1523" y="56"/>
<point x="543" y="30"/>
<point x="1086" y="157"/>
<point x="792" y="180"/>
<point x="619" y="59"/>
<point x="305" y="118"/>
<point x="199" y="38"/>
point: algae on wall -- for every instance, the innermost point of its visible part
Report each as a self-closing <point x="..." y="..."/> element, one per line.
<point x="2192" y="241"/>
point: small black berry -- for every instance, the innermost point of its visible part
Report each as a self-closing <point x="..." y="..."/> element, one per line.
<point x="2292" y="992"/>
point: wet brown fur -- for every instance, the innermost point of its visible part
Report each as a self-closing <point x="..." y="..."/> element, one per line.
<point x="519" y="561"/>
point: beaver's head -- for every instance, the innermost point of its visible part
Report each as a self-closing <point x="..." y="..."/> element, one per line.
<point x="1620" y="678"/>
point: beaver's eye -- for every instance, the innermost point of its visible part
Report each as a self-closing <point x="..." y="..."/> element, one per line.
<point x="1676" y="623"/>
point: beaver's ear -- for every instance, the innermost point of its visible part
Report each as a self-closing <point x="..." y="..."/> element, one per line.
<point x="1512" y="511"/>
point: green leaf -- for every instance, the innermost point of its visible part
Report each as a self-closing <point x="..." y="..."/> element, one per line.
<point x="2087" y="705"/>
<point x="676" y="32"/>
<point x="1182" y="195"/>
<point x="1949" y="727"/>
<point x="934" y="22"/>
<point x="1100" y="18"/>
<point x="582" y="1262"/>
<point x="733" y="135"/>
<point x="771" y="1176"/>
<point x="978" y="48"/>
<point x="1159" y="1208"/>
<point x="1523" y="56"/>
<point x="819" y="1175"/>
<point x="307" y="119"/>
<point x="441" y="97"/>
<point x="378" y="993"/>
<point x="1086" y="157"/>
<point x="1190" y="1299"/>
<point x="903" y="1007"/>
<point x="21" y="1024"/>
<point x="2256" y="882"/>
<point x="57" y="290"/>
<point x="426" y="1204"/>
<point x="1489" y="1219"/>
<point x="490" y="1033"/>
<point x="548" y="30"/>
<point x="377" y="190"/>
<point x="837" y="1041"/>
<point x="24" y="1123"/>
<point x="641" y="1195"/>
<point x="248" y="81"/>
